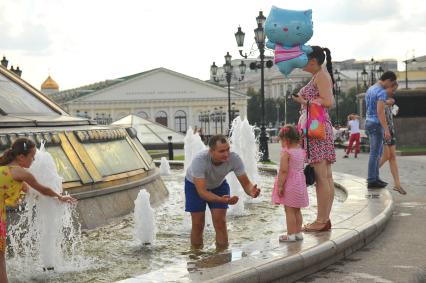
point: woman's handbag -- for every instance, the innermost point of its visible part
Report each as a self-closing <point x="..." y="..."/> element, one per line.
<point x="309" y="175"/>
<point x="309" y="170"/>
<point x="316" y="119"/>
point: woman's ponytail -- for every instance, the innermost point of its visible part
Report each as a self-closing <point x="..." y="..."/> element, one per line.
<point x="329" y="65"/>
<point x="7" y="157"/>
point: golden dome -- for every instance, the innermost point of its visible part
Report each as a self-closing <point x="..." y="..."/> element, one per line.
<point x="49" y="83"/>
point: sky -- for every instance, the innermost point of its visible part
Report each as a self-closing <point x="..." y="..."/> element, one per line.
<point x="80" y="42"/>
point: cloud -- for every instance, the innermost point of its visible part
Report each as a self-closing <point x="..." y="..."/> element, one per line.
<point x="32" y="39"/>
<point x="358" y="12"/>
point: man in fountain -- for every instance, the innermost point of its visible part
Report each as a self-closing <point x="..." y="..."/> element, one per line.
<point x="205" y="184"/>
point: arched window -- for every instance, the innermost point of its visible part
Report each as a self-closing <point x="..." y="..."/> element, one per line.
<point x="180" y="121"/>
<point x="143" y="115"/>
<point x="161" y="118"/>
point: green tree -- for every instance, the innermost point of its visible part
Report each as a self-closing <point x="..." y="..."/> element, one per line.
<point x="253" y="107"/>
<point x="347" y="105"/>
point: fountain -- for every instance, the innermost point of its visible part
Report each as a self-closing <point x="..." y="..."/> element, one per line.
<point x="47" y="234"/>
<point x="106" y="185"/>
<point x="192" y="145"/>
<point x="145" y="228"/>
<point x="114" y="252"/>
<point x="243" y="142"/>
<point x="164" y="167"/>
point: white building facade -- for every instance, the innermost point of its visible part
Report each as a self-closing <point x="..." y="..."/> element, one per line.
<point x="276" y="84"/>
<point x="161" y="95"/>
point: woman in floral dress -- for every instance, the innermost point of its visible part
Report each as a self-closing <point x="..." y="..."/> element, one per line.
<point x="321" y="151"/>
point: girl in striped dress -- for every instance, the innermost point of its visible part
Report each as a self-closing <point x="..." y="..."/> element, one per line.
<point x="290" y="185"/>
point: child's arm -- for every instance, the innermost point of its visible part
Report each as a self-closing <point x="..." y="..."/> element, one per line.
<point x="282" y="174"/>
<point x="22" y="175"/>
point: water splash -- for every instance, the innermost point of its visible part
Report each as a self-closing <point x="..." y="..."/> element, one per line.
<point x="243" y="142"/>
<point x="192" y="145"/>
<point x="164" y="167"/>
<point x="144" y="218"/>
<point x="47" y="234"/>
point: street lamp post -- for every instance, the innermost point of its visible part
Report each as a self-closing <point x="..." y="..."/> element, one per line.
<point x="375" y="71"/>
<point x="338" y="88"/>
<point x="233" y="111"/>
<point x="364" y="76"/>
<point x="259" y="33"/>
<point x="228" y="69"/>
<point x="372" y="66"/>
<point x="406" y="69"/>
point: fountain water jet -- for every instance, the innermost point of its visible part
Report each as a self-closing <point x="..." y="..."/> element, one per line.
<point x="164" y="167"/>
<point x="47" y="234"/>
<point x="193" y="145"/>
<point x="144" y="218"/>
<point x="243" y="142"/>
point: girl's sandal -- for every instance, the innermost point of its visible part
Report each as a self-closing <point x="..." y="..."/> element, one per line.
<point x="400" y="190"/>
<point x="287" y="238"/>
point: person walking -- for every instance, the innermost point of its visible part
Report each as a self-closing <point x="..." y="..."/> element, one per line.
<point x="290" y="184"/>
<point x="319" y="90"/>
<point x="376" y="126"/>
<point x="389" y="150"/>
<point x="205" y="184"/>
<point x="353" y="125"/>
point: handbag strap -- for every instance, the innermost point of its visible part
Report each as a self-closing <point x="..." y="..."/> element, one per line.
<point x="307" y="128"/>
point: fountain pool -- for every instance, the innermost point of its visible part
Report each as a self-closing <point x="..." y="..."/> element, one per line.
<point x="111" y="253"/>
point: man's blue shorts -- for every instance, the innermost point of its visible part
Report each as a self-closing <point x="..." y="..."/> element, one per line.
<point x="194" y="203"/>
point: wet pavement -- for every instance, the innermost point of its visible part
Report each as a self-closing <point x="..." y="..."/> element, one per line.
<point x="356" y="222"/>
<point x="398" y="254"/>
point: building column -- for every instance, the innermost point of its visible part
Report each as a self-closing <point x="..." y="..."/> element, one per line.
<point x="190" y="119"/>
<point x="170" y="118"/>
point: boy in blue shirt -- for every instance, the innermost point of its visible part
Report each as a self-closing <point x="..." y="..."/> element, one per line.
<point x="376" y="125"/>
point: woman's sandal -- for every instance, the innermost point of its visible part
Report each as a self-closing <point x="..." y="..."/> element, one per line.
<point x="326" y="226"/>
<point x="400" y="190"/>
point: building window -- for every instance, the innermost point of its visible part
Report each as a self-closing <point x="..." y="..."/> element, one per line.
<point x="161" y="118"/>
<point x="143" y="115"/>
<point x="180" y="121"/>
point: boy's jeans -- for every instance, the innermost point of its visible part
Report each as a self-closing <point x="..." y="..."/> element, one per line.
<point x="375" y="135"/>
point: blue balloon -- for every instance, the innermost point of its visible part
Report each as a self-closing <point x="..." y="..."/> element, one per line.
<point x="287" y="32"/>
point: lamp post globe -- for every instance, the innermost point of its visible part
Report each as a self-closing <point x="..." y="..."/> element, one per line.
<point x="228" y="75"/>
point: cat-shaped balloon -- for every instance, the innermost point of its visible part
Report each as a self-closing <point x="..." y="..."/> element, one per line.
<point x="287" y="31"/>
